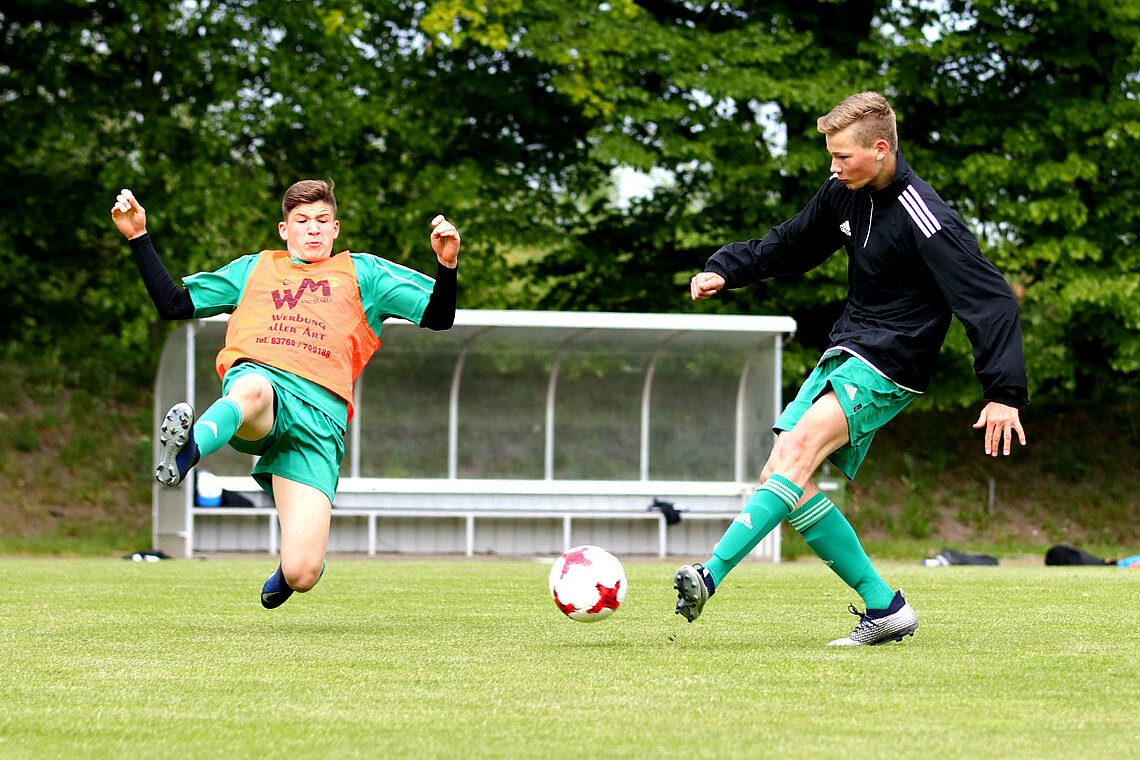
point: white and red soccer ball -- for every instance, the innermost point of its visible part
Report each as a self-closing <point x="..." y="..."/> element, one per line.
<point x="587" y="583"/>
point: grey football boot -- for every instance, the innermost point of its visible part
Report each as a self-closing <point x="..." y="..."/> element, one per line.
<point x="881" y="626"/>
<point x="177" y="451"/>
<point x="694" y="586"/>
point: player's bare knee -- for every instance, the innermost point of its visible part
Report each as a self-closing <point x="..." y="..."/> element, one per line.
<point x="251" y="392"/>
<point x="795" y="448"/>
<point x="798" y="456"/>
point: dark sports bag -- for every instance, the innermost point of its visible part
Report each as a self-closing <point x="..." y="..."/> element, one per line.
<point x="1067" y="555"/>
<point x="667" y="508"/>
<point x="962" y="558"/>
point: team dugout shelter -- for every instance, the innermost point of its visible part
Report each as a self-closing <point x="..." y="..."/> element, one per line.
<point x="513" y="433"/>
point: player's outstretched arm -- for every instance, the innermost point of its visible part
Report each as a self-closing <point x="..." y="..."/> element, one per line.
<point x="439" y="314"/>
<point x="445" y="242"/>
<point x="129" y="215"/>
<point x="172" y="301"/>
<point x="1000" y="422"/>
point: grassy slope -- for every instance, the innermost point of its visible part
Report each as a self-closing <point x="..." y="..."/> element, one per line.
<point x="74" y="477"/>
<point x="72" y="464"/>
<point x="927" y="478"/>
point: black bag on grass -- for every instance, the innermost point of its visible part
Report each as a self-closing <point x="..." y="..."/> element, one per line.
<point x="962" y="558"/>
<point x="1067" y="555"/>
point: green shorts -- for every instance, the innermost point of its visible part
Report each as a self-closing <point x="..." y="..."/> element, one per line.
<point x="305" y="444"/>
<point x="869" y="401"/>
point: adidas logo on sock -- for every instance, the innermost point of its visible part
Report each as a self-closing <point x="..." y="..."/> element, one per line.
<point x="744" y="519"/>
<point x="845" y="228"/>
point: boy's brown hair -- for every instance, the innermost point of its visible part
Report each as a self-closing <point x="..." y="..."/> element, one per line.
<point x="308" y="191"/>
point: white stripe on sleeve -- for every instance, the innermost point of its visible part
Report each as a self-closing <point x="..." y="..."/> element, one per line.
<point x="919" y="211"/>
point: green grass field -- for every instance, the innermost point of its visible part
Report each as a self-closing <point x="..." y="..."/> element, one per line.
<point x="470" y="659"/>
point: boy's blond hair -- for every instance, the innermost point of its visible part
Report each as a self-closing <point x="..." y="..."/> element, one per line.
<point x="870" y="113"/>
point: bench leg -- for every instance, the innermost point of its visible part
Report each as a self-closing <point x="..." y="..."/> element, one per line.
<point x="470" y="528"/>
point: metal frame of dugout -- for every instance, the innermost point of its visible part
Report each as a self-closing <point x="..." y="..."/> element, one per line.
<point x="516" y="433"/>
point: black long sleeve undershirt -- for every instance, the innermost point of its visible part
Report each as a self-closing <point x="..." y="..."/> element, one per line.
<point x="171" y="300"/>
<point x="439" y="314"/>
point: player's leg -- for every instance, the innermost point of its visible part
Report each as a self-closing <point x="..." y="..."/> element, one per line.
<point x="827" y="532"/>
<point x="869" y="401"/>
<point x="768" y="506"/>
<point x="888" y="617"/>
<point x="764" y="510"/>
<point x="301" y="464"/>
<point x="304" y="513"/>
<point x="795" y="456"/>
<point x="246" y="409"/>
<point x="252" y="395"/>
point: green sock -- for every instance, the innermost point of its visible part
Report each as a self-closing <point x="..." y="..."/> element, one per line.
<point x="768" y="506"/>
<point x="830" y="536"/>
<point x="217" y="426"/>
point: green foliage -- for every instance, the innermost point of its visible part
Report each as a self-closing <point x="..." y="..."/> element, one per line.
<point x="511" y="117"/>
<point x="1067" y="461"/>
<point x="72" y="461"/>
<point x="977" y="517"/>
<point x="24" y="436"/>
<point x="209" y="111"/>
<point x="918" y="507"/>
<point x="687" y="91"/>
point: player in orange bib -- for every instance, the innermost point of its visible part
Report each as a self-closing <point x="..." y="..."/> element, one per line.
<point x="303" y="323"/>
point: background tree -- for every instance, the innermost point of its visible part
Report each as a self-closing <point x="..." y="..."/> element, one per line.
<point x="512" y="116"/>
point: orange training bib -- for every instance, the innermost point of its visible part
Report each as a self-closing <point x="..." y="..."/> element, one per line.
<point x="306" y="319"/>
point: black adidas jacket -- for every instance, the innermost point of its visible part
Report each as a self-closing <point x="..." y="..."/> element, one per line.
<point x="912" y="263"/>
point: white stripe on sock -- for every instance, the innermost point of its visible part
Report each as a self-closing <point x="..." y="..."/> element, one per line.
<point x="782" y="491"/>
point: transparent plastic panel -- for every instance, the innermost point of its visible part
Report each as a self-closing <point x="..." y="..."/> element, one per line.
<point x="693" y="407"/>
<point x="502" y="405"/>
<point x="170" y="380"/>
<point x="404" y="395"/>
<point x="597" y="410"/>
<point x="762" y="406"/>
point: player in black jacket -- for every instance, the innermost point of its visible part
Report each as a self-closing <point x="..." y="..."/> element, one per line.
<point x="912" y="265"/>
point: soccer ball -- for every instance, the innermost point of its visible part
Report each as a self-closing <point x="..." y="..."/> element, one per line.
<point x="587" y="583"/>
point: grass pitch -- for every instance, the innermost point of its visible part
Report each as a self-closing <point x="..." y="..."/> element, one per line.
<point x="470" y="659"/>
